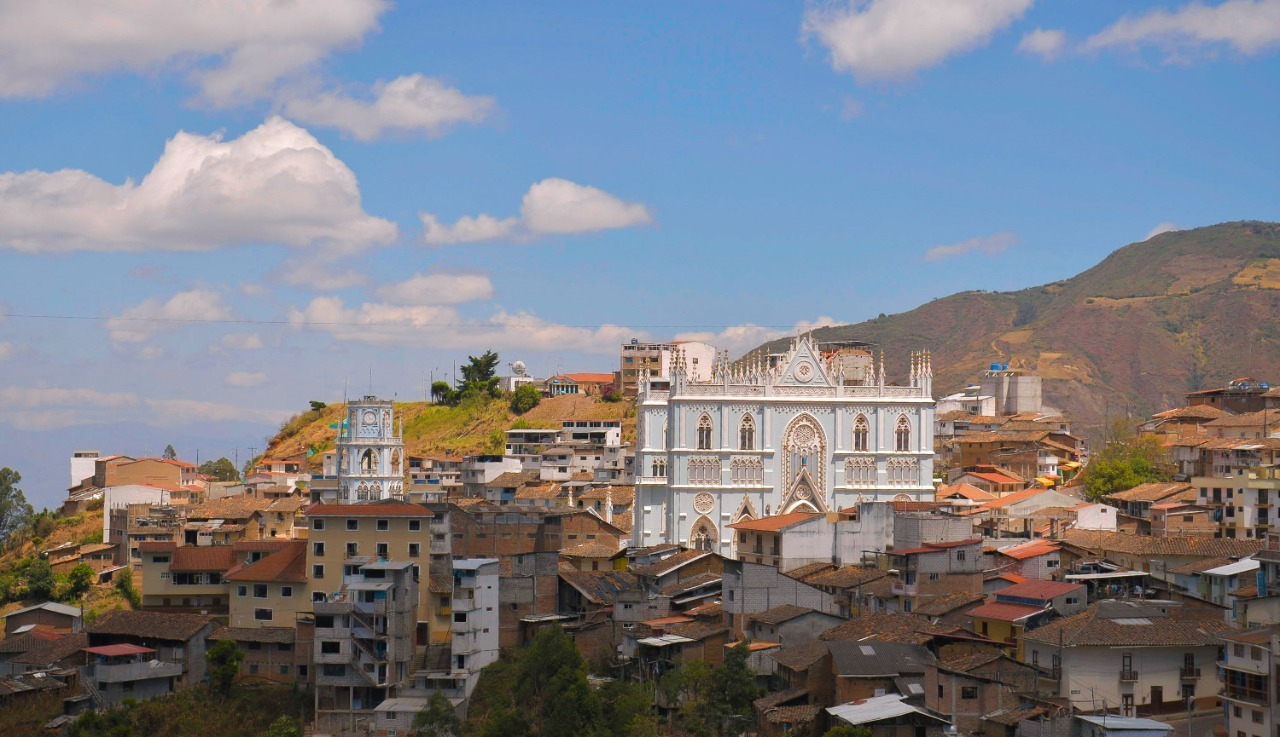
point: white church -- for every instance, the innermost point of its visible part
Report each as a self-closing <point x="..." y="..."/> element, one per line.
<point x="814" y="429"/>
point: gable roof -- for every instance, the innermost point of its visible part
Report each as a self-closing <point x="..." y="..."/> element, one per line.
<point x="780" y="614"/>
<point x="773" y="524"/>
<point x="943" y="605"/>
<point x="512" y="479"/>
<point x="964" y="491"/>
<point x="1031" y="549"/>
<point x="287" y="565"/>
<point x="809" y="570"/>
<point x="1040" y="590"/>
<point x="870" y="658"/>
<point x="49" y="606"/>
<point x="600" y="587"/>
<point x="1152" y="492"/>
<point x="1188" y="546"/>
<point x="387" y="508"/>
<point x="802" y="656"/>
<point x="847" y="577"/>
<point x="191" y="558"/>
<point x="1088" y="629"/>
<point x="160" y="625"/>
<point x="232" y="507"/>
<point x="1003" y="611"/>
<point x="885" y="627"/>
<point x="671" y="563"/>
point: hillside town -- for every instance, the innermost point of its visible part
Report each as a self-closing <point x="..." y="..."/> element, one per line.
<point x="878" y="557"/>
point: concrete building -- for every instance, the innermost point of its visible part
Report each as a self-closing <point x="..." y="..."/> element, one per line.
<point x="1251" y="694"/>
<point x="147" y="654"/>
<point x="1014" y="390"/>
<point x="639" y="361"/>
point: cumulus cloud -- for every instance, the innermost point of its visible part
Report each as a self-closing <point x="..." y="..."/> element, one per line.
<point x="49" y="407"/>
<point x="438" y="289"/>
<point x="739" y="339"/>
<point x="1047" y="45"/>
<point x="410" y="104"/>
<point x="139" y="322"/>
<point x="550" y="207"/>
<point x="1249" y="27"/>
<point x="443" y="327"/>
<point x="276" y="183"/>
<point x="987" y="245"/>
<point x="233" y="51"/>
<point x="893" y="39"/>
<point x="246" y="378"/>
<point x="1165" y="227"/>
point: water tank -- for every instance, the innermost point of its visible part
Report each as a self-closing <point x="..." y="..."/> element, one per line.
<point x="995" y="367"/>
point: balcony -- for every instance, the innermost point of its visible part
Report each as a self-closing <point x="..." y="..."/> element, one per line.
<point x="1248" y="696"/>
<point x="1189" y="673"/>
<point x="1128" y="675"/>
<point x="904" y="589"/>
<point x="135" y="671"/>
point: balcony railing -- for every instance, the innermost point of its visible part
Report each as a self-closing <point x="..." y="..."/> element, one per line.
<point x="123" y="672"/>
<point x="1189" y="673"/>
<point x="904" y="589"/>
<point x="1128" y="675"/>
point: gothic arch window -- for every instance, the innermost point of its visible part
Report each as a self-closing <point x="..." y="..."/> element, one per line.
<point x="902" y="435"/>
<point x="903" y="472"/>
<point x="703" y="535"/>
<point x="704" y="471"/>
<point x="805" y="448"/>
<point x="861" y="434"/>
<point x="747" y="433"/>
<point x="659" y="467"/>
<point x="860" y="472"/>
<point x="746" y="472"/>
<point x="368" y="461"/>
<point x="704" y="432"/>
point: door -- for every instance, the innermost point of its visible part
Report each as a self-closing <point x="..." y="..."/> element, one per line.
<point x="1157" y="696"/>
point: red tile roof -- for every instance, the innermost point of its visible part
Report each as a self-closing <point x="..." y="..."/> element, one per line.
<point x="1004" y="612"/>
<point x="287" y="565"/>
<point x="212" y="558"/>
<point x="1030" y="550"/>
<point x="995" y="478"/>
<point x="1043" y="590"/>
<point x="774" y="523"/>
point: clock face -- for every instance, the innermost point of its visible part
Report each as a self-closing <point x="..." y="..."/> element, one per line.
<point x="804" y="372"/>
<point x="370" y="417"/>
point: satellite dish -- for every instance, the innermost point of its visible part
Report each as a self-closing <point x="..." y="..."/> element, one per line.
<point x="518" y="368"/>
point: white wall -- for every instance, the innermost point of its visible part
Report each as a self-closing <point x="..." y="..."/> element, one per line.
<point x="116" y="497"/>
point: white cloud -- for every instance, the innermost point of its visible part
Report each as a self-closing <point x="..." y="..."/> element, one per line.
<point x="988" y="245"/>
<point x="550" y="207"/>
<point x="442" y="327"/>
<point x="1249" y="27"/>
<point x="1048" y="45"/>
<point x="408" y="104"/>
<point x="1165" y="227"/>
<point x="851" y="108"/>
<point x="139" y="322"/>
<point x="50" y="407"/>
<point x="246" y="378"/>
<point x="438" y="289"/>
<point x="893" y="39"/>
<point x="739" y="339"/>
<point x="234" y="52"/>
<point x="240" y="342"/>
<point x="322" y="273"/>
<point x="276" y="183"/>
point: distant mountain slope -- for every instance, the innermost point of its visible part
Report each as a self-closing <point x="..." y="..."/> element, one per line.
<point x="1181" y="311"/>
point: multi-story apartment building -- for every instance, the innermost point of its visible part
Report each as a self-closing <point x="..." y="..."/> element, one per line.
<point x="935" y="570"/>
<point x="640" y="361"/>
<point x="364" y="641"/>
<point x="1251" y="682"/>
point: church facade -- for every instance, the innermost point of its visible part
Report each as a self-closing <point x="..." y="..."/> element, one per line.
<point x="806" y="430"/>
<point x="369" y="455"/>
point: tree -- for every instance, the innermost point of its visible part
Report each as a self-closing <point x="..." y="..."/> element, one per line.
<point x="441" y="392"/>
<point x="733" y="687"/>
<point x="316" y="405"/>
<point x="551" y="685"/>
<point x="439" y="719"/>
<point x="224" y="663"/>
<point x="1125" y="462"/>
<point x="284" y="726"/>
<point x="169" y="453"/>
<point x="15" y="512"/>
<point x="221" y="469"/>
<point x="40" y="579"/>
<point x="625" y="705"/>
<point x="124" y="584"/>
<point x="848" y="730"/>
<point x="525" y="398"/>
<point x="610" y="393"/>
<point x="479" y="377"/>
<point x="79" y="579"/>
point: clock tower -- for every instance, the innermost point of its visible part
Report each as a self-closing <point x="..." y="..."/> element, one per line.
<point x="370" y="453"/>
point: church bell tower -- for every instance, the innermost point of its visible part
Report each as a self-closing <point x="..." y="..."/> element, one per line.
<point x="370" y="453"/>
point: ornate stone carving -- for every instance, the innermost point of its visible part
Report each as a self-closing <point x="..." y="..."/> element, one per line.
<point x="703" y="503"/>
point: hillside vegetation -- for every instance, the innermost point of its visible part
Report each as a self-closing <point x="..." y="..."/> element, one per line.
<point x="1182" y="311"/>
<point x="475" y="426"/>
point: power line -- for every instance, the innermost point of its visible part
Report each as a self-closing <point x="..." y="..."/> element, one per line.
<point x="356" y="323"/>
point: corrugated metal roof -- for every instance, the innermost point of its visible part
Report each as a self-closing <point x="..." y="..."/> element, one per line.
<point x="1244" y="565"/>
<point x="877" y="709"/>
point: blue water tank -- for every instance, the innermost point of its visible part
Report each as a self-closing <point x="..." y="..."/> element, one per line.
<point x="995" y="367"/>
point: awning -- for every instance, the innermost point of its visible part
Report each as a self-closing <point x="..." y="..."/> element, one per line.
<point x="112" y="651"/>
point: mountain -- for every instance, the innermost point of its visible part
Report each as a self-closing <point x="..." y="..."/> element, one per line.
<point x="1181" y="311"/>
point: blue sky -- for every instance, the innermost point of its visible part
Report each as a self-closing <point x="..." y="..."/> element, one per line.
<point x="304" y="193"/>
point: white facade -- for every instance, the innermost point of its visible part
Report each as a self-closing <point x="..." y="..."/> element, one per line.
<point x="475" y="617"/>
<point x="773" y="435"/>
<point x="370" y="453"/>
<point x="120" y="497"/>
<point x="83" y="463"/>
<point x="1095" y="517"/>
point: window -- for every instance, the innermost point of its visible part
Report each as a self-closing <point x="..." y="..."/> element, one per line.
<point x="242" y="590"/>
<point x="968" y="692"/>
<point x="1238" y="650"/>
<point x="959" y="555"/>
<point x="747" y="433"/>
<point x="413" y="550"/>
<point x="704" y="433"/>
<point x="286" y="592"/>
<point x="860" y="472"/>
<point x="335" y="671"/>
<point x="383" y="525"/>
<point x="284" y="670"/>
<point x="906" y="605"/>
<point x="933" y="577"/>
<point x="381" y="550"/>
<point x="254" y="645"/>
<point x="262" y="615"/>
<point x="861" y="434"/>
<point x="317" y="571"/>
<point x="902" y="435"/>
<point x="317" y="524"/>
<point x="330" y="647"/>
<point x="659" y="467"/>
<point x="1257" y="717"/>
<point x="460" y="616"/>
<point x="1051" y="564"/>
<point x="353" y="524"/>
<point x="415" y="525"/>
<point x="159" y="559"/>
<point x="317" y="549"/>
<point x="353" y="549"/>
<point x="259" y="591"/>
<point x="1255" y="653"/>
